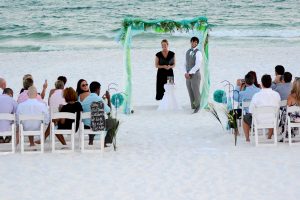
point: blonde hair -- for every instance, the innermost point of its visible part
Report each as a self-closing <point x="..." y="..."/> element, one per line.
<point x="296" y="90"/>
<point x="32" y="92"/>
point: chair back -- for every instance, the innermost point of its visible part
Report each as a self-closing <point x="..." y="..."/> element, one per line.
<point x="283" y="103"/>
<point x="31" y="117"/>
<point x="7" y="116"/>
<point x="63" y="115"/>
<point x="291" y="109"/>
<point x="265" y="116"/>
<point x="245" y="104"/>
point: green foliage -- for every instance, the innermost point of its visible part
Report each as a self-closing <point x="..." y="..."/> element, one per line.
<point x="163" y="26"/>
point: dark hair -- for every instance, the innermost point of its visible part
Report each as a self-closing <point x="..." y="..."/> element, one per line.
<point x="8" y="91"/>
<point x="27" y="83"/>
<point x="253" y="73"/>
<point x="94" y="86"/>
<point x="266" y="81"/>
<point x="195" y="39"/>
<point x="249" y="80"/>
<point x="287" y="77"/>
<point x="165" y="40"/>
<point x="70" y="94"/>
<point x="279" y="69"/>
<point x="78" y="89"/>
<point x="59" y="84"/>
<point x="63" y="79"/>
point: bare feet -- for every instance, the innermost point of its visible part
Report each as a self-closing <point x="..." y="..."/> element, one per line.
<point x="38" y="142"/>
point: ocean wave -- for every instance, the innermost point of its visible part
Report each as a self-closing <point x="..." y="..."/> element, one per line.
<point x="35" y="35"/>
<point x="28" y="48"/>
<point x="256" y="33"/>
<point x="77" y="8"/>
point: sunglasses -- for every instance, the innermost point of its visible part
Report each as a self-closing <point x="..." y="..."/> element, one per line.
<point x="84" y="85"/>
<point x="297" y="78"/>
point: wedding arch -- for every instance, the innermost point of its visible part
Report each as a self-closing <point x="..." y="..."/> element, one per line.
<point x="131" y="27"/>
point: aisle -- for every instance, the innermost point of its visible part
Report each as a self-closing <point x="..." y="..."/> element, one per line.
<point x="160" y="156"/>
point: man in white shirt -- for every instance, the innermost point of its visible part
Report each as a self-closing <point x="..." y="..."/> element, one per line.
<point x="265" y="97"/>
<point x="2" y="85"/>
<point x="32" y="106"/>
<point x="7" y="105"/>
<point x="192" y="73"/>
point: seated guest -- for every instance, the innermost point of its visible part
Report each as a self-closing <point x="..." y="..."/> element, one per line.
<point x="265" y="97"/>
<point x="24" y="95"/>
<point x="60" y="78"/>
<point x="2" y="85"/>
<point x="294" y="100"/>
<point x="57" y="98"/>
<point x="86" y="105"/>
<point x="7" y="105"/>
<point x="45" y="85"/>
<point x="72" y="106"/>
<point x="247" y="89"/>
<point x="32" y="106"/>
<point x="82" y="90"/>
<point x="285" y="86"/>
<point x="294" y="97"/>
<point x="279" y="71"/>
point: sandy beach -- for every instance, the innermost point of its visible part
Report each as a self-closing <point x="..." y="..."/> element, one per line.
<point x="160" y="155"/>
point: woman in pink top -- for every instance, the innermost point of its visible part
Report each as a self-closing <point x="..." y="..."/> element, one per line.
<point x="57" y="99"/>
<point x="24" y="95"/>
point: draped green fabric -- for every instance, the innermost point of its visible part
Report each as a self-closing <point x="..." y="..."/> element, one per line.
<point x="132" y="27"/>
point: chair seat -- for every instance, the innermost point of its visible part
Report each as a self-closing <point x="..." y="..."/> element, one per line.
<point x="265" y="126"/>
<point x="63" y="132"/>
<point x="5" y="133"/>
<point x="295" y="124"/>
<point x="31" y="133"/>
<point x="88" y="132"/>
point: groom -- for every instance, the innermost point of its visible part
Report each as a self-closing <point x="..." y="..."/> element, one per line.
<point x="192" y="73"/>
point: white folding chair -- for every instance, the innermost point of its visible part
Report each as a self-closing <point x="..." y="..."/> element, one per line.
<point x="245" y="104"/>
<point x="24" y="133"/>
<point x="282" y="118"/>
<point x="283" y="103"/>
<point x="291" y="124"/>
<point x="84" y="132"/>
<point x="9" y="117"/>
<point x="55" y="131"/>
<point x="270" y="122"/>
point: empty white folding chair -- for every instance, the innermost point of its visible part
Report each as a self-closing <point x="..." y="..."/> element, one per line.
<point x="84" y="132"/>
<point x="69" y="132"/>
<point x="11" y="133"/>
<point x="24" y="133"/>
<point x="292" y="124"/>
<point x="265" y="118"/>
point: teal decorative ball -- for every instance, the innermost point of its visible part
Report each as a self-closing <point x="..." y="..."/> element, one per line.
<point x="117" y="100"/>
<point x="220" y="96"/>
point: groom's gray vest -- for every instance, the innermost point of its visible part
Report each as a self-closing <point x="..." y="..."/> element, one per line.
<point x="190" y="59"/>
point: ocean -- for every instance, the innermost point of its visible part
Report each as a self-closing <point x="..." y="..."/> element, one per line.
<point x="54" y="25"/>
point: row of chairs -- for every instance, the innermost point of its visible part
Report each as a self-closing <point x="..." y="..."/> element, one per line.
<point x="273" y="122"/>
<point x="55" y="115"/>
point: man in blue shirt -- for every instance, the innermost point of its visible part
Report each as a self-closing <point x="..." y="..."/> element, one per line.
<point x="285" y="86"/>
<point x="246" y="91"/>
<point x="94" y="97"/>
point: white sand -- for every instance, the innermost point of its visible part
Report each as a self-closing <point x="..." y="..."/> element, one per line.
<point x="160" y="155"/>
